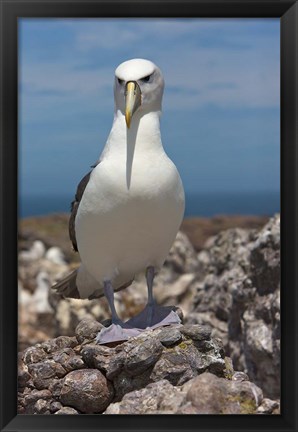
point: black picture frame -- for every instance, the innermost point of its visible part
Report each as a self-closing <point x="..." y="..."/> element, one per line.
<point x="11" y="10"/>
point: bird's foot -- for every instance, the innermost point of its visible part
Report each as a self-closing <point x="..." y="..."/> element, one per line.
<point x="116" y="333"/>
<point x="153" y="316"/>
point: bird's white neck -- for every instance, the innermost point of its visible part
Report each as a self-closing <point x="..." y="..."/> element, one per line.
<point x="134" y="148"/>
<point x="143" y="136"/>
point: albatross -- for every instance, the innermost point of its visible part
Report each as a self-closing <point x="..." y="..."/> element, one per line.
<point x="128" y="209"/>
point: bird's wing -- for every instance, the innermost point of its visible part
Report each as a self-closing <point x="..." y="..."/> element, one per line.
<point x="75" y="205"/>
<point x="67" y="287"/>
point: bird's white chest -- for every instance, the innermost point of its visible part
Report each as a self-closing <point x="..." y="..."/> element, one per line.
<point x="129" y="215"/>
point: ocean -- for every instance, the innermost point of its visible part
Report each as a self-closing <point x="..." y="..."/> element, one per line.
<point x="197" y="204"/>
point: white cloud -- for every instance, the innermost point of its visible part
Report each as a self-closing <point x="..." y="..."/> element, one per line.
<point x="195" y="75"/>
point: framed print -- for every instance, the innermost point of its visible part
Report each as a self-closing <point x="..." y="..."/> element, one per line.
<point x="201" y="206"/>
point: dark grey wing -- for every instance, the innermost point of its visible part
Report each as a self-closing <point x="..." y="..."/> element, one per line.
<point x="67" y="287"/>
<point x="74" y="208"/>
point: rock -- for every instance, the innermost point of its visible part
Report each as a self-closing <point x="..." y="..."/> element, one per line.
<point x="87" y="330"/>
<point x="141" y="353"/>
<point x="269" y="406"/>
<point x="89" y="377"/>
<point x="68" y="359"/>
<point x="204" y="394"/>
<point x="53" y="345"/>
<point x="23" y="373"/>
<point x="157" y="398"/>
<point x="238" y="295"/>
<point x="240" y="376"/>
<point x="66" y="411"/>
<point x="43" y="313"/>
<point x="182" y="257"/>
<point x="196" y="332"/>
<point x="209" y="394"/>
<point x="55" y="406"/>
<point x="36" y="401"/>
<point x="169" y="336"/>
<point x="229" y="295"/>
<point x="86" y="390"/>
<point x="34" y="355"/>
<point x="43" y="372"/>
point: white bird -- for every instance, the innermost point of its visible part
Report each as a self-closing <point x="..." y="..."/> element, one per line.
<point x="36" y="252"/>
<point x="55" y="255"/>
<point x="128" y="209"/>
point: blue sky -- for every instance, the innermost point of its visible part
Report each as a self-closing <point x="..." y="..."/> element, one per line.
<point x="221" y="109"/>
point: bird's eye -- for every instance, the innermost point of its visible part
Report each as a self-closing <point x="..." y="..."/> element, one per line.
<point x="120" y="81"/>
<point x="146" y="78"/>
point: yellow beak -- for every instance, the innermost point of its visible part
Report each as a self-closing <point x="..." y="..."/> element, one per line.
<point x="132" y="100"/>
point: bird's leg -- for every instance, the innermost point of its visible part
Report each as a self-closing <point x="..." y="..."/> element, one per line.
<point x="109" y="293"/>
<point x="118" y="331"/>
<point x="153" y="315"/>
<point x="150" y="303"/>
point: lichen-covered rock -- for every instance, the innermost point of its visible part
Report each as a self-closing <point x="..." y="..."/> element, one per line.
<point x="87" y="391"/>
<point x="209" y="394"/>
<point x="204" y="394"/>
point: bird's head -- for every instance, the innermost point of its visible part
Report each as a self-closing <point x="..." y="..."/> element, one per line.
<point x="138" y="87"/>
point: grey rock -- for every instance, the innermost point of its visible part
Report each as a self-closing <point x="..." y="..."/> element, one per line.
<point x="169" y="336"/>
<point x="106" y="359"/>
<point x="55" y="387"/>
<point x="204" y="394"/>
<point x="157" y="398"/>
<point x="240" y="376"/>
<point x="34" y="355"/>
<point x="37" y="401"/>
<point x="43" y="372"/>
<point x="141" y="353"/>
<point x="23" y="373"/>
<point x="269" y="406"/>
<point x="87" y="330"/>
<point x="68" y="359"/>
<point x="238" y="296"/>
<point x="182" y="257"/>
<point x="209" y="394"/>
<point x="196" y="332"/>
<point x="55" y="406"/>
<point x="66" y="411"/>
<point x="60" y="342"/>
<point x="86" y="390"/>
<point x="42" y="407"/>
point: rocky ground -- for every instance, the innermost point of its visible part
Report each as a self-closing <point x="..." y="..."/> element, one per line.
<point x="224" y="358"/>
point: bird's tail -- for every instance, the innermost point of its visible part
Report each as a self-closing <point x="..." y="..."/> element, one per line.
<point x="67" y="287"/>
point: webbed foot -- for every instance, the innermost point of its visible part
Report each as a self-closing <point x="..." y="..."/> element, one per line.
<point x="116" y="333"/>
<point x="153" y="316"/>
